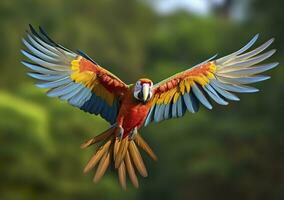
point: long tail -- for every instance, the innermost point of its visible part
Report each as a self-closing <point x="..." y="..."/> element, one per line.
<point x="123" y="153"/>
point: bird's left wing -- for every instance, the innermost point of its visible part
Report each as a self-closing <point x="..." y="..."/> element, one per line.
<point x="73" y="77"/>
<point x="213" y="79"/>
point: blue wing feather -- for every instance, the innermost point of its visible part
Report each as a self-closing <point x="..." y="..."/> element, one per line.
<point x="213" y="94"/>
<point x="51" y="64"/>
<point x="215" y="79"/>
<point x="167" y="114"/>
<point x="200" y="96"/>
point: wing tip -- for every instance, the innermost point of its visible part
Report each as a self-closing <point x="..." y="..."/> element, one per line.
<point x="225" y="103"/>
<point x="210" y="107"/>
<point x="236" y="99"/>
<point x="273" y="50"/>
<point x="39" y="85"/>
<point x="264" y="78"/>
<point x="271" y="40"/>
<point x="44" y="33"/>
<point x="31" y="27"/>
<point x="24" y="52"/>
<point x="254" y="39"/>
<point x="24" y="40"/>
<point x="275" y="64"/>
<point x="33" y="31"/>
<point x="253" y="90"/>
<point x="25" y="63"/>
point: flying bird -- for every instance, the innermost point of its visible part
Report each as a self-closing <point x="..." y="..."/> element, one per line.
<point x="83" y="83"/>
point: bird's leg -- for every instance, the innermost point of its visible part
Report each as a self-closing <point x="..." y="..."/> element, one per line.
<point x="120" y="132"/>
<point x="133" y="133"/>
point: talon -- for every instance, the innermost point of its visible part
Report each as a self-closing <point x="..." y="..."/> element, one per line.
<point x="120" y="133"/>
<point x="133" y="133"/>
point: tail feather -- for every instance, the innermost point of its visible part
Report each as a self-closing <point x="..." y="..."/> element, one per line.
<point x="141" y="142"/>
<point x="97" y="156"/>
<point x="122" y="175"/>
<point x="137" y="159"/>
<point x="103" y="165"/>
<point x="123" y="153"/>
<point x="103" y="136"/>
<point x="131" y="170"/>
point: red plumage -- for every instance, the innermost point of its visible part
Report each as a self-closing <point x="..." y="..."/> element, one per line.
<point x="132" y="112"/>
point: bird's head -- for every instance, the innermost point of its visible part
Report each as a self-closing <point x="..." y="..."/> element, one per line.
<point x="143" y="90"/>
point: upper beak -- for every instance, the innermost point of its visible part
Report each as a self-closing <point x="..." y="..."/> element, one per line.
<point x="146" y="90"/>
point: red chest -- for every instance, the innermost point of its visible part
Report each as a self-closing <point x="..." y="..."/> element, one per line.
<point x="132" y="113"/>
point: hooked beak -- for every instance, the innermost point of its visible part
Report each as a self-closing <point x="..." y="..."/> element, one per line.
<point x="146" y="91"/>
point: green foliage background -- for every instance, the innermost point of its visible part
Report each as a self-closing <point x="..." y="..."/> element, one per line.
<point x="233" y="152"/>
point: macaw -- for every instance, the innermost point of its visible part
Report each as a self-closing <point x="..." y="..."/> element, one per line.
<point x="83" y="83"/>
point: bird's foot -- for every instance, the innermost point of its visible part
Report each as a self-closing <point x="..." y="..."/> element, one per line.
<point x="120" y="132"/>
<point x="133" y="133"/>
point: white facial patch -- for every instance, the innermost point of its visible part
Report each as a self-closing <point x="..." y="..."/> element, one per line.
<point x="139" y="92"/>
<point x="137" y="89"/>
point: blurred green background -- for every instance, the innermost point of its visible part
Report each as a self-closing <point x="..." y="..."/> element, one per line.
<point x="233" y="152"/>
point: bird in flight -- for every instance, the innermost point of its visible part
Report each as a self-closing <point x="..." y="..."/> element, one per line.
<point x="79" y="80"/>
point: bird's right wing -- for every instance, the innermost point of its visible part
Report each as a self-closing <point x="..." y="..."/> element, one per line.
<point x="73" y="77"/>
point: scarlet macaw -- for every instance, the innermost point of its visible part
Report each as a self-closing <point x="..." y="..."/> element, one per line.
<point x="76" y="78"/>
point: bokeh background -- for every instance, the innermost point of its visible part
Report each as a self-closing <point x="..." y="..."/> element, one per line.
<point x="233" y="152"/>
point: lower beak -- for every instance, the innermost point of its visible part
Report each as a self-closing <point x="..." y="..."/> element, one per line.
<point x="146" y="90"/>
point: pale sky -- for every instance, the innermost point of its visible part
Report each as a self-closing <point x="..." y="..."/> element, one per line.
<point x="196" y="6"/>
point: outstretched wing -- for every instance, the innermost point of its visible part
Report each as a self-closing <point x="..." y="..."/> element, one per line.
<point x="216" y="79"/>
<point x="73" y="77"/>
